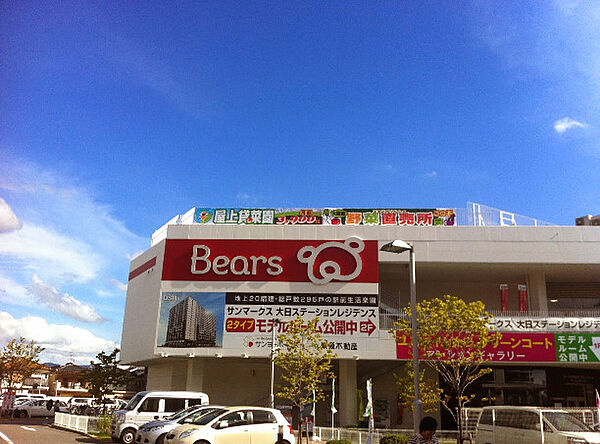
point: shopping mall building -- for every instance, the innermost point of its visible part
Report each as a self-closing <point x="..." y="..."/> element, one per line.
<point x="203" y="300"/>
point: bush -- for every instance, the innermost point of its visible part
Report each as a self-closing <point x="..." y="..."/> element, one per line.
<point x="339" y="441"/>
<point x="104" y="424"/>
<point x="394" y="439"/>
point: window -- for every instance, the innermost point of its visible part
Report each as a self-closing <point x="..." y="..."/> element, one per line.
<point x="529" y="421"/>
<point x="149" y="405"/>
<point x="262" y="417"/>
<point x="174" y="404"/>
<point x="486" y="417"/>
<point x="194" y="401"/>
<point x="234" y="419"/>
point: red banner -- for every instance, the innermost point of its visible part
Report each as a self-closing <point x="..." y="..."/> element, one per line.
<point x="320" y="262"/>
<point x="517" y="347"/>
<point x="504" y="297"/>
<point x="523" y="298"/>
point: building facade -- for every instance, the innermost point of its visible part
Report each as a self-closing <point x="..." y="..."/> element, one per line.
<point x="203" y="300"/>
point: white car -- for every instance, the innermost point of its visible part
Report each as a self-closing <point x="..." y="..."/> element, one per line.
<point x="37" y="408"/>
<point x="155" y="432"/>
<point x="239" y="425"/>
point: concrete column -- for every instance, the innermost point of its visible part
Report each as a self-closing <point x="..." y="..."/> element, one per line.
<point x="347" y="391"/>
<point x="195" y="375"/>
<point x="536" y="287"/>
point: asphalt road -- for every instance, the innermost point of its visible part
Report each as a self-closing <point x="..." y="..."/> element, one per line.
<point x="37" y="431"/>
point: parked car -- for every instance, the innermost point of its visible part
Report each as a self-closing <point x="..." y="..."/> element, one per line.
<point x="531" y="425"/>
<point x="234" y="424"/>
<point x="147" y="406"/>
<point x="37" y="407"/>
<point x="155" y="432"/>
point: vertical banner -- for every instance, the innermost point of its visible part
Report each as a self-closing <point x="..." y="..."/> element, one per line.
<point x="523" y="298"/>
<point x="369" y="411"/>
<point x="504" y="297"/>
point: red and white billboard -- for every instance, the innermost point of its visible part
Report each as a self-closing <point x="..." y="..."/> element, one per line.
<point x="320" y="262"/>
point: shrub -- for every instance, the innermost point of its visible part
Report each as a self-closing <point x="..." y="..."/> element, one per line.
<point x="394" y="439"/>
<point x="339" y="441"/>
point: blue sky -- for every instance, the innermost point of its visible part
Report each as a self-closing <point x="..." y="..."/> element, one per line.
<point x="114" y="117"/>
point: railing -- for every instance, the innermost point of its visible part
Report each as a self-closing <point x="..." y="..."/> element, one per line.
<point x="588" y="415"/>
<point x="481" y="215"/>
<point x="83" y="424"/>
<point x="360" y="436"/>
<point x="387" y="320"/>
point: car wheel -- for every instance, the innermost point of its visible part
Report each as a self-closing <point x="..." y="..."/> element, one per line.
<point x="22" y="414"/>
<point x="201" y="442"/>
<point x="128" y="436"/>
<point x="161" y="439"/>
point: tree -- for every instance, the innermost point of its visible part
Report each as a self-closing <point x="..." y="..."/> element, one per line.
<point x="305" y="359"/>
<point x="453" y="336"/>
<point x="18" y="361"/>
<point x="105" y="376"/>
<point x="430" y="392"/>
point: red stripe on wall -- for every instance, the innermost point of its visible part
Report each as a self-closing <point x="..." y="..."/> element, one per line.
<point x="139" y="270"/>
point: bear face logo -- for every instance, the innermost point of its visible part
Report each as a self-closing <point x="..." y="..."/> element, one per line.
<point x="331" y="270"/>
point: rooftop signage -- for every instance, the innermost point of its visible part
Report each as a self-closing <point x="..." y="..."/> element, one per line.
<point x="325" y="216"/>
<point x="317" y="262"/>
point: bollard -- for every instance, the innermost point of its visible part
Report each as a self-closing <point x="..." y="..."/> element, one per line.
<point x="280" y="434"/>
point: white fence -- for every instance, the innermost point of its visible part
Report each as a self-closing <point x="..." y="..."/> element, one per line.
<point x="83" y="424"/>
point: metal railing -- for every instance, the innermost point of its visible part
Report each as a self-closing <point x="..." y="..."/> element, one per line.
<point x="79" y="423"/>
<point x="360" y="436"/>
<point x="588" y="415"/>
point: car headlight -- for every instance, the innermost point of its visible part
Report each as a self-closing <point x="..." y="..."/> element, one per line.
<point x="155" y="428"/>
<point x="120" y="417"/>
<point x="187" y="433"/>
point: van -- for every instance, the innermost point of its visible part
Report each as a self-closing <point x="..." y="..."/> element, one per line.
<point x="531" y="425"/>
<point x="147" y="406"/>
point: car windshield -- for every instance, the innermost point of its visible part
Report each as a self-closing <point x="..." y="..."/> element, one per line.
<point x="566" y="423"/>
<point x="134" y="401"/>
<point x="182" y="413"/>
<point x="205" y="419"/>
<point x="194" y="417"/>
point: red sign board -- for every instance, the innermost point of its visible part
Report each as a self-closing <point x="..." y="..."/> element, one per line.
<point x="320" y="262"/>
<point x="513" y="347"/>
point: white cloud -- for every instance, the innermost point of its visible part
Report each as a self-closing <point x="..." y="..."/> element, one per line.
<point x="63" y="303"/>
<point x="431" y="174"/>
<point x="8" y="219"/>
<point x="45" y="251"/>
<point x="562" y="125"/>
<point x="62" y="343"/>
<point x="15" y="294"/>
<point x="119" y="285"/>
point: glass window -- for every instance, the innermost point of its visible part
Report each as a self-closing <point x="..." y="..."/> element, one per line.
<point x="149" y="405"/>
<point x="262" y="417"/>
<point x="174" y="404"/>
<point x="194" y="401"/>
<point x="205" y="419"/>
<point x="486" y="417"/>
<point x="529" y="421"/>
<point x="234" y="419"/>
<point x="134" y="401"/>
<point x="566" y="423"/>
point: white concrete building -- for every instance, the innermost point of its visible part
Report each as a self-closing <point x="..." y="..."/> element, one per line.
<point x="249" y="267"/>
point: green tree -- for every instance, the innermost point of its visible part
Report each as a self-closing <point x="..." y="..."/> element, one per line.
<point x="430" y="392"/>
<point x="105" y="376"/>
<point x="453" y="336"/>
<point x="305" y="360"/>
<point x="19" y="359"/>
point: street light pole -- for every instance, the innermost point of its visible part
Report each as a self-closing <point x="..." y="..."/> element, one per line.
<point x="399" y="246"/>
<point x="417" y="404"/>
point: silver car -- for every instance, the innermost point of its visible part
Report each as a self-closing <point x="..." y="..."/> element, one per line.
<point x="154" y="432"/>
